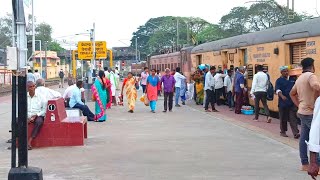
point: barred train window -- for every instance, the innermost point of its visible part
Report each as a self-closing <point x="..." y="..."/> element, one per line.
<point x="231" y="57"/>
<point x="250" y="71"/>
<point x="265" y="68"/>
<point x="297" y="52"/>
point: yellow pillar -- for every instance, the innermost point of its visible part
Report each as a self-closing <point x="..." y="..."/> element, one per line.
<point x="74" y="64"/>
<point x="111" y="58"/>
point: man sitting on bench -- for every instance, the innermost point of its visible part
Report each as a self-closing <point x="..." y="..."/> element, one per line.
<point x="75" y="102"/>
<point x="36" y="110"/>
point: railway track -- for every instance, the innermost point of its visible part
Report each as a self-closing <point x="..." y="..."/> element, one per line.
<point x="6" y="90"/>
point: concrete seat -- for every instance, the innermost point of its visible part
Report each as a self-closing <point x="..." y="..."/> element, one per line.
<point x="58" y="129"/>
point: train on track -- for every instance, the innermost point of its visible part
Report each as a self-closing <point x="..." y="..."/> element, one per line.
<point x="272" y="48"/>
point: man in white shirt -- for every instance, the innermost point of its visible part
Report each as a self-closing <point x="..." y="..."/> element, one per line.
<point x="111" y="76"/>
<point x="228" y="89"/>
<point x="178" y="78"/>
<point x="47" y="93"/>
<point x="30" y="76"/>
<point x="209" y="88"/>
<point x="36" y="110"/>
<point x="106" y="71"/>
<point x="144" y="76"/>
<point x="117" y="74"/>
<point x="314" y="141"/>
<point x="36" y="75"/>
<point x="68" y="93"/>
<point x="259" y="92"/>
<point x="218" y="78"/>
<point x="76" y="102"/>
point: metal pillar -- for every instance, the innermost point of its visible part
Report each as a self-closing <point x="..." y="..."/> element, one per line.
<point x="177" y="34"/>
<point x="22" y="172"/>
<point x="40" y="59"/>
<point x="46" y="59"/>
<point x="136" y="48"/>
<point x="188" y="38"/>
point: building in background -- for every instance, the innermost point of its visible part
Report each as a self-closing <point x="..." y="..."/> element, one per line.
<point x="51" y="64"/>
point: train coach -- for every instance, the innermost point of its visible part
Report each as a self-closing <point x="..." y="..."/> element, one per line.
<point x="180" y="59"/>
<point x="272" y="48"/>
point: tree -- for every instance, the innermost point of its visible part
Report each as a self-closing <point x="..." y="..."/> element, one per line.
<point x="269" y="14"/>
<point x="43" y="33"/>
<point x="211" y="32"/>
<point x="261" y="15"/>
<point x="235" y="22"/>
<point x="54" y="46"/>
<point x="160" y="34"/>
<point x="5" y="31"/>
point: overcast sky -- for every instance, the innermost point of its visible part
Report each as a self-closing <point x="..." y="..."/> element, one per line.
<point x="117" y="20"/>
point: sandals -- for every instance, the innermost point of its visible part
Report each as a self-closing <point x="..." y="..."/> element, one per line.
<point x="29" y="147"/>
<point x="269" y="120"/>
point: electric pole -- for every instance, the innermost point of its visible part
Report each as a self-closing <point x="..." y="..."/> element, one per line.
<point x="20" y="125"/>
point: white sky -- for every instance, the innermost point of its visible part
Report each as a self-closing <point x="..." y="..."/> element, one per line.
<point x="118" y="19"/>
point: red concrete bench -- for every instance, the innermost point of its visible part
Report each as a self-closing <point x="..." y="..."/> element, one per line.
<point x="58" y="129"/>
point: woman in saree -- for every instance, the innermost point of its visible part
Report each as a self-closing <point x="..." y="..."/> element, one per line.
<point x="100" y="96"/>
<point x="108" y="86"/>
<point x="129" y="84"/>
<point x="152" y="89"/>
<point x="199" y="91"/>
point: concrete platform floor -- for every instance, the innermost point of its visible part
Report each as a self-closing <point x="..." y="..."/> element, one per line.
<point x="184" y="144"/>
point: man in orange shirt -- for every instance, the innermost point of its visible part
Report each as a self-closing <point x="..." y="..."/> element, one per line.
<point x="303" y="94"/>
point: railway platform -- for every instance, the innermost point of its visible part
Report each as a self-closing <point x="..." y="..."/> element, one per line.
<point x="187" y="143"/>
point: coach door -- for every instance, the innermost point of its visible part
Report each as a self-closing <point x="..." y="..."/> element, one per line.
<point x="243" y="61"/>
<point x="198" y="60"/>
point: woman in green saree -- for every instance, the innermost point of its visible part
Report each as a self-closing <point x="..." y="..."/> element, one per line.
<point x="101" y="96"/>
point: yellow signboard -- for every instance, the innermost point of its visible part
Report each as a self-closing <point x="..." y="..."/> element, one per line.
<point x="85" y="50"/>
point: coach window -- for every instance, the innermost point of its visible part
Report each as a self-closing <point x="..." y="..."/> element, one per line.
<point x="231" y="57"/>
<point x="250" y="71"/>
<point x="297" y="52"/>
<point x="265" y="68"/>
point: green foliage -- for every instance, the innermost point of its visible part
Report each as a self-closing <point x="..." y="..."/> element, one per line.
<point x="54" y="46"/>
<point x="161" y="33"/>
<point x="5" y="31"/>
<point x="43" y="32"/>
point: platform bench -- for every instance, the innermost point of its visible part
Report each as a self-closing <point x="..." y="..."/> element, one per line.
<point x="58" y="129"/>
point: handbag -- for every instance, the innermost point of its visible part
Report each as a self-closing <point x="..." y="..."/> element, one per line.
<point x="146" y="101"/>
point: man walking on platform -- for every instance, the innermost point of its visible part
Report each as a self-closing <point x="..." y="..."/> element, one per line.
<point x="239" y="89"/>
<point x="168" y="89"/>
<point x="304" y="94"/>
<point x="179" y="79"/>
<point x="259" y="92"/>
<point x="61" y="75"/>
<point x="144" y="76"/>
<point x="287" y="110"/>
<point x="209" y="88"/>
<point x="218" y="79"/>
<point x="228" y="89"/>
